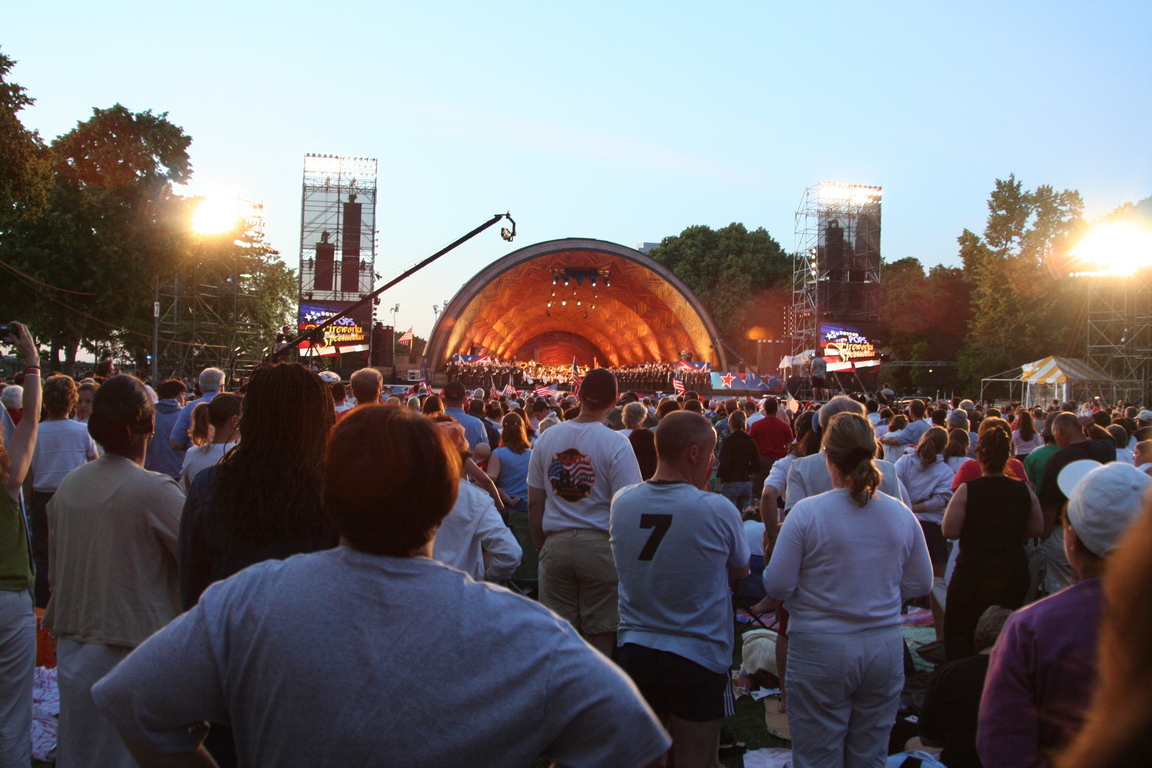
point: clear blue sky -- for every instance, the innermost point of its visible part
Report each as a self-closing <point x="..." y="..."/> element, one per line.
<point x="620" y="121"/>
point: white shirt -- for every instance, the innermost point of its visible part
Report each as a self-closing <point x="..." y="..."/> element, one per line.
<point x="1022" y="447"/>
<point x="580" y="466"/>
<point x="199" y="458"/>
<point x="61" y="446"/>
<point x="844" y="568"/>
<point x="809" y="476"/>
<point x="931" y="487"/>
<point x="754" y="535"/>
<point x="778" y="475"/>
<point x="473" y="528"/>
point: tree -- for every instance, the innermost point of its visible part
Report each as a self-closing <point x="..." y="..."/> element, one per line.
<point x="742" y="278"/>
<point x="1020" y="309"/>
<point x="25" y="173"/>
<point x="111" y="225"/>
<point x="923" y="317"/>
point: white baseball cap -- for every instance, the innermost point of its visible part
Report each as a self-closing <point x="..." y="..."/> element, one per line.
<point x="1103" y="501"/>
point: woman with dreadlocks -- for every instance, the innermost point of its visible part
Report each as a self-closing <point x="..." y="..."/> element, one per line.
<point x="262" y="501"/>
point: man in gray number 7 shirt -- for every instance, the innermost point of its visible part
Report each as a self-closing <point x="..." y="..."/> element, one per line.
<point x="676" y="546"/>
<point x="372" y="653"/>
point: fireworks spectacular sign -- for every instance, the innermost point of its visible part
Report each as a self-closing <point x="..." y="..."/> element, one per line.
<point x="847" y="347"/>
<point x="348" y="335"/>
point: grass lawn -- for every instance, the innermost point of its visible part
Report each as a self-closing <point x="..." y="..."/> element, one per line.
<point x="747" y="725"/>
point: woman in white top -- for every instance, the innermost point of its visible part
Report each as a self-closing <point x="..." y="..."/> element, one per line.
<point x="1120" y="436"/>
<point x="893" y="452"/>
<point x="928" y="477"/>
<point x="845" y="560"/>
<point x="61" y="446"/>
<point x="956" y="452"/>
<point x="215" y="429"/>
<point x="1025" y="437"/>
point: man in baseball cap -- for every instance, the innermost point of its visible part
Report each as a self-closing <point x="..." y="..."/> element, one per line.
<point x="1043" y="668"/>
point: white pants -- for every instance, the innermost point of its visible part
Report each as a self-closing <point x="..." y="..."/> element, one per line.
<point x="17" y="663"/>
<point x="843" y="694"/>
<point x="85" y="737"/>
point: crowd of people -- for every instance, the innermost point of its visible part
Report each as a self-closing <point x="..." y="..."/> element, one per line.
<point x="303" y="572"/>
<point x="649" y="377"/>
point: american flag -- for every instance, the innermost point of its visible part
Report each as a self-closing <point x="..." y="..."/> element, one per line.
<point x="576" y="380"/>
<point x="405" y="338"/>
<point x="677" y="384"/>
<point x="493" y="393"/>
<point x="424" y="384"/>
<point x="544" y="390"/>
<point x="509" y="390"/>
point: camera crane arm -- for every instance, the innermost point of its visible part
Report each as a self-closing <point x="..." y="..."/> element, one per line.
<point x="318" y="331"/>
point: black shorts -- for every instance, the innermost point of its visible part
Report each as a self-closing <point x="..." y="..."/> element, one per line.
<point x="676" y="685"/>
<point x="937" y="544"/>
<point x="817" y="382"/>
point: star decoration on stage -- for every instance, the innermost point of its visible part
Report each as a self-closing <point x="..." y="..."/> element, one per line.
<point x="728" y="379"/>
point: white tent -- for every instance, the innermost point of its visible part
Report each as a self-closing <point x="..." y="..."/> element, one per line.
<point x="1059" y="378"/>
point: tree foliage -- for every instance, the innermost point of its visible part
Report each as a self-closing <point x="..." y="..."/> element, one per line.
<point x="924" y="316"/>
<point x="110" y="226"/>
<point x="1020" y="309"/>
<point x="25" y="169"/>
<point x="742" y="278"/>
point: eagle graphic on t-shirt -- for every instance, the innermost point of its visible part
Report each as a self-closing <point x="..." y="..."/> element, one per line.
<point x="572" y="475"/>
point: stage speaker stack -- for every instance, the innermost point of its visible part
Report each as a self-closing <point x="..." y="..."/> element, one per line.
<point x="383" y="346"/>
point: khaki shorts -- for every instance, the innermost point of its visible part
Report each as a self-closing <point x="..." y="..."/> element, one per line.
<point x="578" y="579"/>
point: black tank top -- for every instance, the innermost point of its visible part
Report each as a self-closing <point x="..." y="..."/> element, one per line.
<point x="996" y="516"/>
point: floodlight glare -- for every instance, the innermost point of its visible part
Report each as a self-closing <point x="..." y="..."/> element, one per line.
<point x="214" y="217"/>
<point x="855" y="194"/>
<point x="1113" y="248"/>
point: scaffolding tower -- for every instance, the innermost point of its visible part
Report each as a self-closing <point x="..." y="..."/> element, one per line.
<point x="206" y="311"/>
<point x="836" y="272"/>
<point x="1120" y="332"/>
<point x="338" y="228"/>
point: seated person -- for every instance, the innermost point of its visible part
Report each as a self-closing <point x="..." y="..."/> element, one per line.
<point x="952" y="703"/>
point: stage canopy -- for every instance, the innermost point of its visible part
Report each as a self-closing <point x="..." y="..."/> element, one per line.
<point x="589" y="299"/>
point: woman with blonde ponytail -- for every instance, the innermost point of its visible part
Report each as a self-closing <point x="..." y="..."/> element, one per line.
<point x="844" y="561"/>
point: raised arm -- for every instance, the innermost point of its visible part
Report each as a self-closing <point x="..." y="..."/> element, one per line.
<point x="484" y="483"/>
<point x="954" y="515"/>
<point x="22" y="442"/>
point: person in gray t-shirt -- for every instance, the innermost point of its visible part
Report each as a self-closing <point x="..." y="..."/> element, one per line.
<point x="675" y="547"/>
<point x="373" y="653"/>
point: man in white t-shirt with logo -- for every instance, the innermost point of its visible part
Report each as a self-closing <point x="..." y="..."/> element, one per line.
<point x="676" y="547"/>
<point x="575" y="469"/>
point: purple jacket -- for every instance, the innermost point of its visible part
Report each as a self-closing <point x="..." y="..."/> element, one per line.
<point x="1040" y="678"/>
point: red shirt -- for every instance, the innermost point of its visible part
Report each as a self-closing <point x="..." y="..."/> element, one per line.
<point x="970" y="470"/>
<point x="773" y="437"/>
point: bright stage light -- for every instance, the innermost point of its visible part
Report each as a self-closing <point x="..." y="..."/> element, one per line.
<point x="214" y="217"/>
<point x="1113" y="248"/>
<point x="848" y="193"/>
